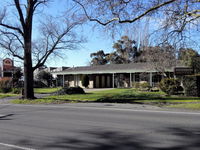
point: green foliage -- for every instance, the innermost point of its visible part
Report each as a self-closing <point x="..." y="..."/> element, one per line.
<point x="16" y="90"/>
<point x="136" y="85"/>
<point x="125" y="52"/>
<point x="196" y="64"/>
<point x="170" y="86"/>
<point x="144" y="85"/>
<point x="85" y="80"/>
<point x="99" y="58"/>
<point x="141" y="85"/>
<point x="5" y="85"/>
<point x="187" y="55"/>
<point x="190" y="85"/>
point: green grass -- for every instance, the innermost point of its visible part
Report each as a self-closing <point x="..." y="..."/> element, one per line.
<point x="37" y="101"/>
<point x="3" y="95"/>
<point x="115" y="96"/>
<point x="45" y="90"/>
<point x="193" y="106"/>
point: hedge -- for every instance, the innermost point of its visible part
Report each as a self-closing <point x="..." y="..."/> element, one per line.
<point x="191" y="86"/>
<point x="170" y="86"/>
<point x="5" y="85"/>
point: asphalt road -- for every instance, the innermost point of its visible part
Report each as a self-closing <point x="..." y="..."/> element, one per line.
<point x="98" y="127"/>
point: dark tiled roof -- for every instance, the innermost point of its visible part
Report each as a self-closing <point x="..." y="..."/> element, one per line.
<point x="112" y="68"/>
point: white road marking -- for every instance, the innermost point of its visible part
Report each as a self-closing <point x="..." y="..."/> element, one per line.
<point x="110" y="108"/>
<point x="15" y="146"/>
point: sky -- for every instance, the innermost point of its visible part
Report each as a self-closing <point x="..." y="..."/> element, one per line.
<point x="96" y="39"/>
<point x="79" y="57"/>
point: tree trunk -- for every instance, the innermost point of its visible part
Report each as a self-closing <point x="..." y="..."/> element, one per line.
<point x="28" y="68"/>
<point x="28" y="72"/>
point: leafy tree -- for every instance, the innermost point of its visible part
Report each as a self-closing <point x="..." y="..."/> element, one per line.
<point x="54" y="35"/>
<point x="125" y="51"/>
<point x="196" y="64"/>
<point x="45" y="76"/>
<point x="186" y="56"/>
<point x="99" y="58"/>
<point x="85" y="80"/>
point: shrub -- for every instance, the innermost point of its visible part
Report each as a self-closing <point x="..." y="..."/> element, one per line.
<point x="85" y="80"/>
<point x="136" y="85"/>
<point x="143" y="85"/>
<point x="170" y="86"/>
<point x="16" y="90"/>
<point x="5" y="85"/>
<point x="70" y="90"/>
<point x="190" y="85"/>
<point x="154" y="89"/>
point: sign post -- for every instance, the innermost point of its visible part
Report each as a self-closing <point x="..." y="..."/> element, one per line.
<point x="183" y="71"/>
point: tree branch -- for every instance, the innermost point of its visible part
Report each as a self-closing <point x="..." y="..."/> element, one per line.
<point x="12" y="28"/>
<point x="15" y="35"/>
<point x="126" y="20"/>
<point x="19" y="10"/>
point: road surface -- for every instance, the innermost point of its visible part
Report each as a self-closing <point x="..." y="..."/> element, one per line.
<point x="98" y="127"/>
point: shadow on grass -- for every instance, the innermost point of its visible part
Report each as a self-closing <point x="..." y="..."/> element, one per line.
<point x="132" y="98"/>
<point x="167" y="139"/>
<point x="122" y="98"/>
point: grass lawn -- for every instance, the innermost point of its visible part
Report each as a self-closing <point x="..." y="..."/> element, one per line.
<point x="194" y="106"/>
<point x="113" y="96"/>
<point x="45" y="90"/>
<point x="3" y="95"/>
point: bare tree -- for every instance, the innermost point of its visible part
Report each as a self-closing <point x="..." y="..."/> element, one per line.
<point x="129" y="11"/>
<point x="171" y="21"/>
<point x="170" y="17"/>
<point x="161" y="58"/>
<point x="16" y="37"/>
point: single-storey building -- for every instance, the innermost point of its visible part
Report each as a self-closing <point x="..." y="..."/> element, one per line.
<point x="111" y="75"/>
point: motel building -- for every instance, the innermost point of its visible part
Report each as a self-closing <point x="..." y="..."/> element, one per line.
<point x="7" y="68"/>
<point x="114" y="75"/>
